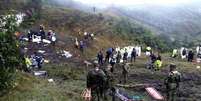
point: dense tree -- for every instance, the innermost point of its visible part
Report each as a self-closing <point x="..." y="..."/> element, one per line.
<point x="9" y="52"/>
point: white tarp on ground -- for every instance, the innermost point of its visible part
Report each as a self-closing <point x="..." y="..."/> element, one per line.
<point x="67" y="54"/>
<point x="25" y="39"/>
<point x="37" y="39"/>
<point x="129" y="49"/>
<point x="40" y="73"/>
<point x="41" y="51"/>
<point x="198" y="49"/>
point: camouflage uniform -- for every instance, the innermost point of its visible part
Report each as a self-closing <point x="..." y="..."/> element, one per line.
<point x="96" y="80"/>
<point x="125" y="70"/>
<point x="172" y="83"/>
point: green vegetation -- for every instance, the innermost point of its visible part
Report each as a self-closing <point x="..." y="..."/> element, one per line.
<point x="10" y="59"/>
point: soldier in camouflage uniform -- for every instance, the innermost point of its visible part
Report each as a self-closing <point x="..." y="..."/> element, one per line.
<point x="96" y="79"/>
<point x="172" y="83"/>
<point x="125" y="70"/>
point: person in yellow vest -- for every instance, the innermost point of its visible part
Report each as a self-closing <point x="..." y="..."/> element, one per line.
<point x="158" y="64"/>
<point x="28" y="63"/>
<point x="148" y="51"/>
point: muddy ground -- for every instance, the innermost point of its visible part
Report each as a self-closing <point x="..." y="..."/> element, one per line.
<point x="190" y="88"/>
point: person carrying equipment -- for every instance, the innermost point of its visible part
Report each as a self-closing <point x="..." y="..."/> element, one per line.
<point x="133" y="55"/>
<point x="96" y="79"/>
<point x="172" y="83"/>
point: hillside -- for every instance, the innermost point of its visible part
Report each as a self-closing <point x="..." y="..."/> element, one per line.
<point x="69" y="74"/>
<point x="177" y="22"/>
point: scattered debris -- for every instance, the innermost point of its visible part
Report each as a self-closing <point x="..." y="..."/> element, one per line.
<point x="41" y="51"/>
<point x="46" y="41"/>
<point x="121" y="96"/>
<point x="37" y="39"/>
<point x="87" y="63"/>
<point x="25" y="39"/>
<point x="154" y="93"/>
<point x="40" y="73"/>
<point x="67" y="54"/>
<point x="132" y="86"/>
<point x="46" y="61"/>
<point x="50" y="80"/>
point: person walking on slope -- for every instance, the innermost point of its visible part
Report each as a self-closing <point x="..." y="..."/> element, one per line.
<point x="172" y="83"/>
<point x="133" y="55"/>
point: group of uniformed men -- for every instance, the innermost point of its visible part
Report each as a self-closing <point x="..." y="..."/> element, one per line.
<point x="101" y="79"/>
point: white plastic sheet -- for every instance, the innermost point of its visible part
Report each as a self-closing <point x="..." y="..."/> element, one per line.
<point x="41" y="51"/>
<point x="67" y="54"/>
<point x="40" y="73"/>
<point x="46" y="41"/>
<point x="129" y="49"/>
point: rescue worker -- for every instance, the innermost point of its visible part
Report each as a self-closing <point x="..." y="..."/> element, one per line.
<point x="82" y="46"/>
<point x="118" y="58"/>
<point x="108" y="54"/>
<point x="109" y="84"/>
<point x="76" y="43"/>
<point x="29" y="35"/>
<point x="157" y="64"/>
<point x="184" y="52"/>
<point x="112" y="63"/>
<point x="125" y="70"/>
<point x="96" y="79"/>
<point x="133" y="55"/>
<point x="190" y="56"/>
<point x="172" y="83"/>
<point x="125" y="56"/>
<point x="174" y="53"/>
<point x="42" y="34"/>
<point x="100" y="57"/>
<point x="148" y="51"/>
<point x="151" y="61"/>
<point x="28" y="63"/>
<point x="41" y="27"/>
